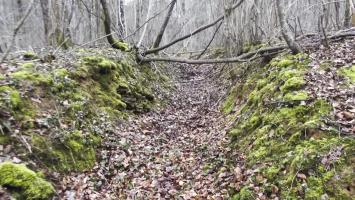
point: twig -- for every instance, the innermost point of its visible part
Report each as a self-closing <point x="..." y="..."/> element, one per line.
<point x="198" y="30"/>
<point x="208" y="45"/>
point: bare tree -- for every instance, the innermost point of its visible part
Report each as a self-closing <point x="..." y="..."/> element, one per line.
<point x="347" y="19"/>
<point x="198" y="30"/>
<point x="145" y="25"/>
<point x="164" y="25"/>
<point x="121" y="19"/>
<point x="46" y="19"/>
<point x="17" y="28"/>
<point x="107" y="24"/>
<point x="292" y="44"/>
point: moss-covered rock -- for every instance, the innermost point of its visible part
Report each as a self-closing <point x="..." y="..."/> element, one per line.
<point x="279" y="132"/>
<point x="24" y="183"/>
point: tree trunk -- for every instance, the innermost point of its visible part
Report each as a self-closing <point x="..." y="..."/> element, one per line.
<point x="292" y="44"/>
<point x="229" y="40"/>
<point x="68" y="19"/>
<point x="198" y="30"/>
<point x="121" y="16"/>
<point x="46" y="21"/>
<point x="347" y="20"/>
<point x="107" y="25"/>
<point x="145" y="25"/>
<point x="138" y="14"/>
<point x="17" y="29"/>
<point x="165" y="24"/>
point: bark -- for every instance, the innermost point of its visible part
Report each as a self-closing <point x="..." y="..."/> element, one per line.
<point x="121" y="16"/>
<point x="228" y="23"/>
<point x="198" y="30"/>
<point x="146" y="25"/>
<point x="347" y="19"/>
<point x="17" y="29"/>
<point x="208" y="45"/>
<point x="46" y="21"/>
<point x="337" y="14"/>
<point x="20" y="9"/>
<point x="68" y="16"/>
<point x="138" y="13"/>
<point x="164" y="25"/>
<point x="292" y="44"/>
<point x="107" y="25"/>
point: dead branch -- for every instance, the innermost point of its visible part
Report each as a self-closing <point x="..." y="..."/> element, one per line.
<point x="202" y="28"/>
<point x="242" y="58"/>
<point x="208" y="45"/>
<point x="342" y="35"/>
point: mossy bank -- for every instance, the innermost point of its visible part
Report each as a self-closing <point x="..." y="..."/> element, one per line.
<point x="56" y="116"/>
<point x="279" y="129"/>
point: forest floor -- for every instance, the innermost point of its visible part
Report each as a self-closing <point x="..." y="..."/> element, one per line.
<point x="177" y="152"/>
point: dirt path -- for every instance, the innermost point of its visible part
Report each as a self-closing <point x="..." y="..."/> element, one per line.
<point x="178" y="152"/>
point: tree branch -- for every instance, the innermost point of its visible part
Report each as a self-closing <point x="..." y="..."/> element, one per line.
<point x="17" y="28"/>
<point x="242" y="58"/>
<point x="164" y="25"/>
<point x="198" y="30"/>
<point x="208" y="45"/>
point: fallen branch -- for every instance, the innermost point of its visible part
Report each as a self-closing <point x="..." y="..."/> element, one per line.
<point x="242" y="58"/>
<point x="202" y="28"/>
<point x="342" y="35"/>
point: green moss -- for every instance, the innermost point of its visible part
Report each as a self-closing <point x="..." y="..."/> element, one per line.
<point x="61" y="73"/>
<point x="75" y="153"/>
<point x="271" y="172"/>
<point x="4" y="139"/>
<point x="349" y="72"/>
<point x="229" y="103"/>
<point x="32" y="76"/>
<point x="293" y="83"/>
<point x="116" y="85"/>
<point x="89" y="96"/>
<point x="30" y="55"/>
<point x="296" y="96"/>
<point x="282" y="140"/>
<point x="2" y="77"/>
<point x="19" y="107"/>
<point x="244" y="194"/>
<point x="121" y="46"/>
<point x="28" y="65"/>
<point x="25" y="182"/>
<point x="284" y="63"/>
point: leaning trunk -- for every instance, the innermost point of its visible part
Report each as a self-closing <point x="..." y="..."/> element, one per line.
<point x="165" y="24"/>
<point x="292" y="44"/>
